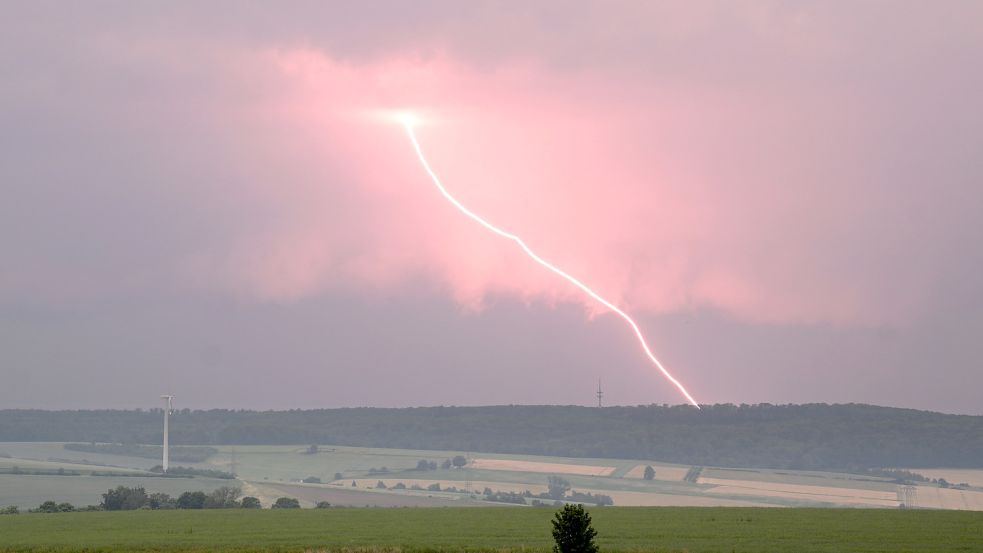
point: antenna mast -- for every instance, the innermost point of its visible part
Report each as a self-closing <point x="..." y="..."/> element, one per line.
<point x="599" y="393"/>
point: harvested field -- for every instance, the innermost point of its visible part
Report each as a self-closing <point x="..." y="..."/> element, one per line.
<point x="477" y="485"/>
<point x="353" y="497"/>
<point x="532" y="466"/>
<point x="823" y="494"/>
<point x="931" y="497"/>
<point x="646" y="499"/>
<point x="672" y="474"/>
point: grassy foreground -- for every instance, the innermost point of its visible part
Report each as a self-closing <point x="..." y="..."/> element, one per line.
<point x="514" y="529"/>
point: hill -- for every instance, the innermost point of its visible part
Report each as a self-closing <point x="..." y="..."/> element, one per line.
<point x="813" y="436"/>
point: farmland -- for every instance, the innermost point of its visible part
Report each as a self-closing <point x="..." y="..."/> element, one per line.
<point x="366" y="477"/>
<point x="619" y="529"/>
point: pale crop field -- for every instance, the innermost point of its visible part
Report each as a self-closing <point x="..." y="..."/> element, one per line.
<point x="536" y="466"/>
<point x="672" y="473"/>
<point x="825" y="494"/>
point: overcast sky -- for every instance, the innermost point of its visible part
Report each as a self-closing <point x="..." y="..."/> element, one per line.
<point x="205" y="199"/>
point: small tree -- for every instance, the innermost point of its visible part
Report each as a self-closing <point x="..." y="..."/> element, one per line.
<point x="11" y="510"/>
<point x="446" y="464"/>
<point x="322" y="505"/>
<point x="423" y="464"/>
<point x="459" y="461"/>
<point x="286" y="503"/>
<point x="572" y="531"/>
<point x="47" y="507"/>
<point x="250" y="502"/>
<point x="649" y="472"/>
<point x="123" y="498"/>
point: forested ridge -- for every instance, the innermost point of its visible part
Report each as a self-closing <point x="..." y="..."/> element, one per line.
<point x="812" y="436"/>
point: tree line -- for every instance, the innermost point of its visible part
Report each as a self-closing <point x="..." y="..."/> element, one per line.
<point x="812" y="436"/>
<point x="125" y="498"/>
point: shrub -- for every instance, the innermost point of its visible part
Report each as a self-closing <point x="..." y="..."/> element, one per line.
<point x="322" y="505"/>
<point x="649" y="472"/>
<point x="435" y="487"/>
<point x="286" y="503"/>
<point x="160" y="501"/>
<point x="399" y="486"/>
<point x="11" y="510"/>
<point x="192" y="500"/>
<point x="380" y="485"/>
<point x="311" y="480"/>
<point x="250" y="502"/>
<point x="572" y="531"/>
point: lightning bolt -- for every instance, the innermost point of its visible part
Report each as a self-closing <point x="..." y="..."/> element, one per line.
<point x="407" y="122"/>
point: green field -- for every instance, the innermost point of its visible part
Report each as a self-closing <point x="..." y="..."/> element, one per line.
<point x="461" y="529"/>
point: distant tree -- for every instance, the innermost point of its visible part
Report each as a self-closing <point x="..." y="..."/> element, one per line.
<point x="250" y="502"/>
<point x="322" y="505"/>
<point x="943" y="483"/>
<point x="286" y="503"/>
<point x="11" y="510"/>
<point x="432" y="465"/>
<point x="123" y="498"/>
<point x="380" y="485"/>
<point x="399" y="486"/>
<point x="557" y="487"/>
<point x="353" y="484"/>
<point x="649" y="472"/>
<point x="572" y="531"/>
<point x="311" y="480"/>
<point x="192" y="500"/>
<point x="161" y="501"/>
<point x="47" y="507"/>
<point x="338" y="476"/>
<point x="435" y="487"/>
<point x="423" y="464"/>
<point x="226" y="497"/>
<point x="459" y="461"/>
<point x="65" y="507"/>
<point x="446" y="464"/>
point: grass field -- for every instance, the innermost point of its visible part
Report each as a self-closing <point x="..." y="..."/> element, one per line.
<point x="619" y="529"/>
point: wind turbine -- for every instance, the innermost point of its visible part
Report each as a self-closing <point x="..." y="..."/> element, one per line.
<point x="167" y="415"/>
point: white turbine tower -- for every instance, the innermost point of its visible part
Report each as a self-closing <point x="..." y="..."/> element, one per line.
<point x="167" y="415"/>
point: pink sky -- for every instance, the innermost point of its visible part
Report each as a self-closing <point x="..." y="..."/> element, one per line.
<point x="796" y="182"/>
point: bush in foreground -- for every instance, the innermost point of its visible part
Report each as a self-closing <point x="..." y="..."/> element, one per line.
<point x="572" y="531"/>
